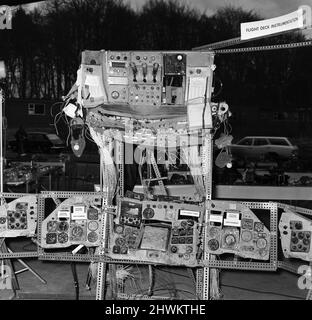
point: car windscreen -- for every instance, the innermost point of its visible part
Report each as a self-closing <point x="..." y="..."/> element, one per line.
<point x="260" y="142"/>
<point x="245" y="142"/>
<point x="54" y="138"/>
<point x="278" y="142"/>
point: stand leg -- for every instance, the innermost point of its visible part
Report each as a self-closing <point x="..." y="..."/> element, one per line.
<point x="76" y="282"/>
<point x="14" y="283"/>
<point x="309" y="295"/>
<point x="88" y="281"/>
<point x="27" y="268"/>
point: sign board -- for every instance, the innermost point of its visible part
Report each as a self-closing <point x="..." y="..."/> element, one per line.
<point x="256" y="29"/>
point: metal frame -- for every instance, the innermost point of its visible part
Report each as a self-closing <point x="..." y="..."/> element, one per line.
<point x="124" y="296"/>
<point x="1" y="140"/>
<point x="235" y="41"/>
<point x="63" y="256"/>
<point x="263" y="266"/>
<point x="203" y="275"/>
<point x="286" y="264"/>
<point x="23" y="254"/>
<point x="102" y="265"/>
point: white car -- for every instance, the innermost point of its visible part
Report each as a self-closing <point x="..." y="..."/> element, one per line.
<point x="272" y="148"/>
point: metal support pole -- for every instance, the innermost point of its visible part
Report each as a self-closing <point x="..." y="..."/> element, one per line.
<point x="206" y="275"/>
<point x="102" y="266"/>
<point x="101" y="271"/>
<point x="1" y="142"/>
<point x="27" y="268"/>
<point x="309" y="295"/>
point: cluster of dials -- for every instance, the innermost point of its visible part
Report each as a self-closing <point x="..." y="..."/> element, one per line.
<point x="126" y="240"/>
<point x="237" y="231"/>
<point x="134" y="77"/>
<point x="142" y="78"/>
<point x="72" y="223"/>
<point x="296" y="232"/>
<point x="155" y="231"/>
<point x="19" y="217"/>
<point x="183" y="239"/>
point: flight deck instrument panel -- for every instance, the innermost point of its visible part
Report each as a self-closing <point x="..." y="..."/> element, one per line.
<point x="19" y="217"/>
<point x="76" y="221"/>
<point x="234" y="228"/>
<point x="155" y="231"/>
<point x="295" y="231"/>
<point x="140" y="82"/>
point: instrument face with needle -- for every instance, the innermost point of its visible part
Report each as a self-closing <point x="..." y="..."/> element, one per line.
<point x="19" y="217"/>
<point x="156" y="231"/>
<point x="234" y="228"/>
<point x="76" y="221"/>
<point x="145" y="81"/>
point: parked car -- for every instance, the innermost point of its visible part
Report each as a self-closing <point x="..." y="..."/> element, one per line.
<point x="270" y="148"/>
<point x="40" y="142"/>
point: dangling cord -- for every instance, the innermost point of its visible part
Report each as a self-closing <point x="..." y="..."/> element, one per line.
<point x="151" y="280"/>
<point x="76" y="282"/>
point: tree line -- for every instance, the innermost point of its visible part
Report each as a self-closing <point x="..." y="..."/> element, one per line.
<point x="42" y="51"/>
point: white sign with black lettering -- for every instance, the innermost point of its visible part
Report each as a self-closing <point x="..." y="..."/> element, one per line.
<point x="231" y="223"/>
<point x="189" y="213"/>
<point x="216" y="218"/>
<point x="79" y="213"/>
<point x="232" y="219"/>
<point x="256" y="29"/>
<point x="63" y="213"/>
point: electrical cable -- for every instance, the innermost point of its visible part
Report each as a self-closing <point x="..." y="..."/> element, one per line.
<point x="167" y="271"/>
<point x="262" y="292"/>
<point x="174" y="273"/>
<point x="54" y="104"/>
<point x="236" y="287"/>
<point x="215" y="95"/>
<point x="140" y="278"/>
<point x="56" y="120"/>
<point x="167" y="288"/>
<point x="76" y="282"/>
<point x="205" y="106"/>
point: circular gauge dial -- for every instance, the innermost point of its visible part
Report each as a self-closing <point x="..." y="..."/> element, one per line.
<point x="230" y="240"/>
<point x="77" y="232"/>
<point x="120" y="241"/>
<point x="246" y="235"/>
<point x="213" y="244"/>
<point x="119" y="229"/>
<point x="261" y="243"/>
<point x="148" y="213"/>
<point x="51" y="226"/>
<point x="93" y="237"/>
<point x="63" y="226"/>
<point x="62" y="237"/>
<point x="93" y="225"/>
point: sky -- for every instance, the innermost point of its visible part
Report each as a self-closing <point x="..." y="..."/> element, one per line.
<point x="265" y="8"/>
